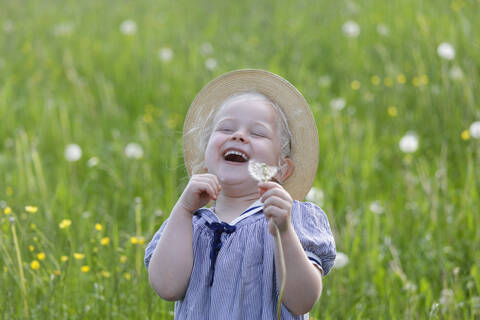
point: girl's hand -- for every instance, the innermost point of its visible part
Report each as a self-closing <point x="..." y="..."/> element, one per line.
<point x="277" y="205"/>
<point x="199" y="191"/>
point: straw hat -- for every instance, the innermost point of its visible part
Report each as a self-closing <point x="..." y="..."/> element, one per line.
<point x="304" y="144"/>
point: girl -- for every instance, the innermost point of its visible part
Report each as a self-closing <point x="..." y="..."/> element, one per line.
<point x="222" y="262"/>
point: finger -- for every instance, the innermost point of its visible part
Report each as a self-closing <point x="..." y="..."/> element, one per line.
<point x="208" y="188"/>
<point x="211" y="180"/>
<point x="277" y="202"/>
<point x="274" y="213"/>
<point x="278" y="192"/>
<point x="268" y="184"/>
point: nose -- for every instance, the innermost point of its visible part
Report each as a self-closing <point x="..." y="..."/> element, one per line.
<point x="239" y="136"/>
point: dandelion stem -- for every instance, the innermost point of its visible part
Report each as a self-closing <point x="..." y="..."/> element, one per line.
<point x="20" y="268"/>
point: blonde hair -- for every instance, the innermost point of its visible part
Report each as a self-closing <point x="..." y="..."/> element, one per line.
<point x="206" y="129"/>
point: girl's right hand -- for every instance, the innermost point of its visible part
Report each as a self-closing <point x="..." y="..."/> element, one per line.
<point x="199" y="191"/>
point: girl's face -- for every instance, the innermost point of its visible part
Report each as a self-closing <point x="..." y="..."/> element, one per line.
<point x="244" y="129"/>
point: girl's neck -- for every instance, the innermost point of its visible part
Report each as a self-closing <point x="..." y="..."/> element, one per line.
<point x="228" y="208"/>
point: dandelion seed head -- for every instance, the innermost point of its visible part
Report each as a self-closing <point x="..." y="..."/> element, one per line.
<point x="315" y="195"/>
<point x="376" y="207"/>
<point x="409" y="143"/>
<point x="93" y="162"/>
<point x="63" y="29"/>
<point x="134" y="151"/>
<point x="324" y="81"/>
<point x="341" y="260"/>
<point x="165" y="54"/>
<point x="456" y="73"/>
<point x="338" y="104"/>
<point x="206" y="48"/>
<point x="446" y="51"/>
<point x="351" y="29"/>
<point x="475" y="130"/>
<point x="73" y="152"/>
<point x="211" y="64"/>
<point x="128" y="27"/>
<point x="383" y="29"/>
<point x="261" y="171"/>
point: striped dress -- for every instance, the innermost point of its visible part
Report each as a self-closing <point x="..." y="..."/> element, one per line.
<point x="233" y="275"/>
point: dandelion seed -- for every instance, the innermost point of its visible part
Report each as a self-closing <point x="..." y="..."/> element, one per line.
<point x="392" y="111"/>
<point x="35" y="265"/>
<point x="383" y="30"/>
<point x="65" y="223"/>
<point x="341" y="260"/>
<point x="475" y="130"/>
<point x="93" y="162"/>
<point x="31" y="209"/>
<point x="261" y="171"/>
<point x="315" y="195"/>
<point x="73" y="152"/>
<point x="455" y="73"/>
<point x="446" y="51"/>
<point x="79" y="256"/>
<point x="85" y="269"/>
<point x="98" y="227"/>
<point x="123" y="259"/>
<point x="64" y="258"/>
<point x="211" y="64"/>
<point x="206" y="48"/>
<point x="105" y="241"/>
<point x="133" y="151"/>
<point x="31" y="248"/>
<point x="7" y="210"/>
<point x="376" y="207"/>
<point x="128" y="27"/>
<point x="165" y="54"/>
<point x="409" y="143"/>
<point x="375" y="80"/>
<point x="355" y="85"/>
<point x="338" y="104"/>
<point x="41" y="256"/>
<point x="465" y="135"/>
<point x="106" y="274"/>
<point x="351" y="29"/>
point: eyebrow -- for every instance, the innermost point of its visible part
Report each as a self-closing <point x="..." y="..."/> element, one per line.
<point x="261" y="123"/>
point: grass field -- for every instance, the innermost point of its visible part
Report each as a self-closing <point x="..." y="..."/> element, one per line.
<point x="92" y="100"/>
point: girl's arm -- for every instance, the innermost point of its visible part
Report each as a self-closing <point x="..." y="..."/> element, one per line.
<point x="172" y="261"/>
<point x="303" y="285"/>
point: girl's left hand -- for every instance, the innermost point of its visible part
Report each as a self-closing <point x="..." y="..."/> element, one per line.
<point x="277" y="205"/>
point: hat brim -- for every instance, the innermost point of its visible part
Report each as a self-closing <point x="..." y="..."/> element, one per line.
<point x="304" y="144"/>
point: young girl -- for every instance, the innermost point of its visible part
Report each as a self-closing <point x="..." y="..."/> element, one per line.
<point x="222" y="262"/>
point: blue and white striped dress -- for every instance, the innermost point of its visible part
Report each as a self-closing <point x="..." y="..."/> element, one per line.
<point x="233" y="275"/>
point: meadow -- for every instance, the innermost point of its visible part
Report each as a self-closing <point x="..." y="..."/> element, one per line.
<point x="93" y="95"/>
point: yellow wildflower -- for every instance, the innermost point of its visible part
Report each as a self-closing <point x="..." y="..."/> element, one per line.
<point x="31" y="209"/>
<point x="105" y="241"/>
<point x="133" y="240"/>
<point x="95" y="249"/>
<point x="65" y="223"/>
<point x="56" y="272"/>
<point x="35" y="265"/>
<point x="7" y="210"/>
<point x="5" y="268"/>
<point x="78" y="256"/>
<point x="424" y="79"/>
<point x="147" y="118"/>
<point x="41" y="256"/>
<point x="31" y="248"/>
<point x="85" y="269"/>
<point x="9" y="191"/>
<point x="123" y="259"/>
<point x="401" y="79"/>
<point x="355" y="85"/>
<point x="388" y="82"/>
<point x="106" y="274"/>
<point x="375" y="80"/>
<point x="33" y="226"/>
<point x="64" y="258"/>
<point x="465" y="135"/>
<point x="127" y="276"/>
<point x="392" y="111"/>
<point x="98" y="227"/>
<point x="416" y="81"/>
<point x="137" y="240"/>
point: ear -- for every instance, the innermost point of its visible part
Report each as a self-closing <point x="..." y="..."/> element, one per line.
<point x="286" y="169"/>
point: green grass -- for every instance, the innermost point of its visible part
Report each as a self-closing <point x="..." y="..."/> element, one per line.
<point x="101" y="89"/>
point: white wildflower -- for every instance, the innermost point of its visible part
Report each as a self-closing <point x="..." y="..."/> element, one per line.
<point x="446" y="298"/>
<point x="315" y="195"/>
<point x="63" y="29"/>
<point x="73" y="152"/>
<point x="324" y="81"/>
<point x="165" y="54"/>
<point x="376" y="207"/>
<point x="341" y="260"/>
<point x="93" y="161"/>
<point x="446" y="51"/>
<point x="134" y="151"/>
<point x="409" y="143"/>
<point x="383" y="30"/>
<point x="351" y="29"/>
<point x="128" y="27"/>
<point x="206" y="48"/>
<point x="338" y="104"/>
<point x="456" y="73"/>
<point x="8" y="26"/>
<point x="475" y="130"/>
<point x="211" y="64"/>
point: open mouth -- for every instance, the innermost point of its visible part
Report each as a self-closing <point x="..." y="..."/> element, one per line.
<point x="235" y="156"/>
